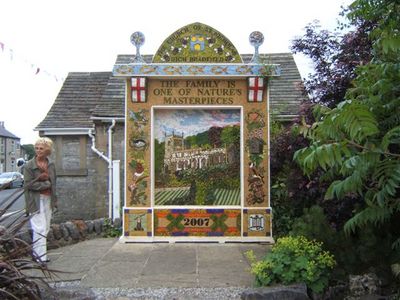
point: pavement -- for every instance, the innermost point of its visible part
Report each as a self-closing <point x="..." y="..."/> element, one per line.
<point x="106" y="268"/>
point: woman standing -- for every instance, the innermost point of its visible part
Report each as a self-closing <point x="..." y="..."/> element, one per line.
<point x="40" y="195"/>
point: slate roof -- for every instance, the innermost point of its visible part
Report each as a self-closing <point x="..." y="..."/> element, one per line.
<point x="5" y="133"/>
<point x="285" y="93"/>
<point x="98" y="95"/>
<point x="76" y="100"/>
<point x="112" y="103"/>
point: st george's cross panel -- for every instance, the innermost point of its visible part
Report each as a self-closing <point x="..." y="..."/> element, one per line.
<point x="197" y="141"/>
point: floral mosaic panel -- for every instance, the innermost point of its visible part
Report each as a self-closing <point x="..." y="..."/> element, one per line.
<point x="137" y="222"/>
<point x="256" y="150"/>
<point x="257" y="222"/>
<point x="197" y="222"/>
<point x="138" y="146"/>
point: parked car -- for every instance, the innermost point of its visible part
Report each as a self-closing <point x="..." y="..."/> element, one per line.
<point x="11" y="180"/>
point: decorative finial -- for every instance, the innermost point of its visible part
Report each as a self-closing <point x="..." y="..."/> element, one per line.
<point x="137" y="39"/>
<point x="256" y="39"/>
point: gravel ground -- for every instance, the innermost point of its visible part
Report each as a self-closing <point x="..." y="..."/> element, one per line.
<point x="72" y="291"/>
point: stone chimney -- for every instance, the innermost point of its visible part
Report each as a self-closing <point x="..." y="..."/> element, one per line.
<point x="2" y="124"/>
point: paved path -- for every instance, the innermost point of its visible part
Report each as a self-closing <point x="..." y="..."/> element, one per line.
<point x="103" y="264"/>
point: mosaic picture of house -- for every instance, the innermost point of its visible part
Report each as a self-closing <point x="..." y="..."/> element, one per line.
<point x="197" y="156"/>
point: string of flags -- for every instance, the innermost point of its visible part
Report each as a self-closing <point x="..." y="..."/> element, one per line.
<point x="4" y="49"/>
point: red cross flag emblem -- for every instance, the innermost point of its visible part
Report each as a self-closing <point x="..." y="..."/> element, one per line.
<point x="255" y="88"/>
<point x="138" y="89"/>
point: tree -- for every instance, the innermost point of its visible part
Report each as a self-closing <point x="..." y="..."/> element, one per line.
<point x="190" y="141"/>
<point x="335" y="57"/>
<point x="358" y="141"/>
<point x="30" y="150"/>
<point x="214" y="136"/>
<point x="159" y="153"/>
<point x="230" y="135"/>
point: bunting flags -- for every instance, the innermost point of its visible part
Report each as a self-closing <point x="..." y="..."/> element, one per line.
<point x="35" y="69"/>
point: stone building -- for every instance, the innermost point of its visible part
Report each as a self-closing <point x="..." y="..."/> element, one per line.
<point x="173" y="142"/>
<point x="178" y="157"/>
<point x="86" y="123"/>
<point x="10" y="150"/>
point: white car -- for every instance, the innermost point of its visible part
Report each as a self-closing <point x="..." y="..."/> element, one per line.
<point x="11" y="180"/>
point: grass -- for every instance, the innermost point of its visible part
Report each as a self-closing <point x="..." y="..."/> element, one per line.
<point x="222" y="196"/>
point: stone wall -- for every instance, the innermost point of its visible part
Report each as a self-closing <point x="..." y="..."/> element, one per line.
<point x="80" y="188"/>
<point x="82" y="176"/>
<point x="72" y="232"/>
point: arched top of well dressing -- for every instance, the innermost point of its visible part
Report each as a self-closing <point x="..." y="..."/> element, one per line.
<point x="197" y="43"/>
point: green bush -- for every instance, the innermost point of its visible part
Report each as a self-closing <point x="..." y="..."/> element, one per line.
<point x="201" y="192"/>
<point x="284" y="212"/>
<point x="294" y="260"/>
<point x="313" y="225"/>
<point x="355" y="253"/>
<point x="109" y="230"/>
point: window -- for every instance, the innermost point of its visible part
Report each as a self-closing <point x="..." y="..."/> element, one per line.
<point x="71" y="156"/>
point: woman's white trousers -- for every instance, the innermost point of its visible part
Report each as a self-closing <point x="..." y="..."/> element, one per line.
<point x="40" y="224"/>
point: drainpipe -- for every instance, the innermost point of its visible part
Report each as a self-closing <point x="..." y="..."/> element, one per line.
<point x="5" y="154"/>
<point x="109" y="161"/>
<point x="94" y="146"/>
<point x="110" y="171"/>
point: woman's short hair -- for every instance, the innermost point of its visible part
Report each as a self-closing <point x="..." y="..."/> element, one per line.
<point x="45" y="141"/>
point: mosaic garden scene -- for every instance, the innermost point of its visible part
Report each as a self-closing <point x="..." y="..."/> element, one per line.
<point x="197" y="156"/>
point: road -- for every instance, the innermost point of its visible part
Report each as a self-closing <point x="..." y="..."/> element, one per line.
<point x="17" y="209"/>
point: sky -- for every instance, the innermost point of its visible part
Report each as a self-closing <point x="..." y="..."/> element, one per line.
<point x="42" y="41"/>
